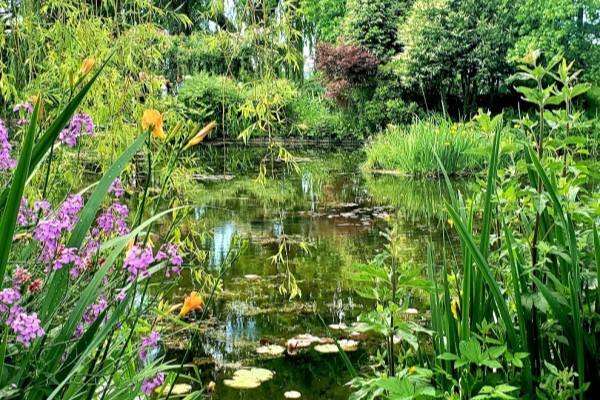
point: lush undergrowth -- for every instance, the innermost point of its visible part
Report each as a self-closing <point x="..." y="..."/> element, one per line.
<point x="412" y="149"/>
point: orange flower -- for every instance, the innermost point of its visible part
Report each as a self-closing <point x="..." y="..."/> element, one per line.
<point x="87" y="65"/>
<point x="153" y="120"/>
<point x="201" y="135"/>
<point x="191" y="303"/>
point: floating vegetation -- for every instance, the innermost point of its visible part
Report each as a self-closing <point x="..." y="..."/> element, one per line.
<point x="176" y="390"/>
<point x="347" y="345"/>
<point x="249" y="378"/>
<point x="292" y="394"/>
<point x="338" y="327"/>
<point x="271" y="350"/>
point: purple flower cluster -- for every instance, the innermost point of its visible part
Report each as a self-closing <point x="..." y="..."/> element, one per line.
<point x="170" y="251"/>
<point x="112" y="220"/>
<point x="26" y="327"/>
<point x="137" y="262"/>
<point x="28" y="215"/>
<point x="81" y="124"/>
<point x="49" y="230"/>
<point x="91" y="314"/>
<point x="27" y="107"/>
<point x="149" y="343"/>
<point x="8" y="297"/>
<point x="149" y="385"/>
<point x="6" y="162"/>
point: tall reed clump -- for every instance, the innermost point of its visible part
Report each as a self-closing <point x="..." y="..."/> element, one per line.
<point x="411" y="150"/>
<point x="74" y="278"/>
<point x="516" y="316"/>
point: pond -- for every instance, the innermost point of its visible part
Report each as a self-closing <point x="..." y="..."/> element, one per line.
<point x="297" y="235"/>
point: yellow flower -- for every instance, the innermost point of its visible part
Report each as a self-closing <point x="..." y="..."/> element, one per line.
<point x="153" y="120"/>
<point x="455" y="308"/>
<point x="199" y="137"/>
<point x="191" y="303"/>
<point x="87" y="65"/>
<point x="412" y="370"/>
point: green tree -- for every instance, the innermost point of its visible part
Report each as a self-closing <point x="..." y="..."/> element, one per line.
<point x="457" y="48"/>
<point x="569" y="27"/>
<point x="373" y="24"/>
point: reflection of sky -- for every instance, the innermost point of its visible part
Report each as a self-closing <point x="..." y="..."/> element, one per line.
<point x="222" y="240"/>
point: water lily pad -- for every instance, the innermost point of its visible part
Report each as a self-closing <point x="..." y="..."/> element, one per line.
<point x="301" y="342"/>
<point x="271" y="350"/>
<point x="242" y="383"/>
<point x="326" y="348"/>
<point x="248" y="378"/>
<point x="177" y="390"/>
<point x="346" y="345"/>
<point x="260" y="374"/>
<point x="292" y="394"/>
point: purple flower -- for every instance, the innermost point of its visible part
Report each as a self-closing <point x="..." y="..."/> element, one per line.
<point x="26" y="327"/>
<point x="26" y="106"/>
<point x="121" y="295"/>
<point x="149" y="343"/>
<point x="170" y="251"/>
<point x="112" y="220"/>
<point x="137" y="262"/>
<point x="48" y="232"/>
<point x="91" y="314"/>
<point x="116" y="188"/>
<point x="64" y="255"/>
<point x="8" y="297"/>
<point x="6" y="162"/>
<point x="80" y="124"/>
<point x="149" y="385"/>
<point x="27" y="215"/>
<point x="67" y="213"/>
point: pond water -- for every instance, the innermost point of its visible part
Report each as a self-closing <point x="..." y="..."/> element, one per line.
<point x="322" y="219"/>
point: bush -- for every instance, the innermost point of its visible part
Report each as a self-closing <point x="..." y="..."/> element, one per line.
<point x="212" y="97"/>
<point x="344" y="67"/>
<point x="412" y="150"/>
<point x="315" y="119"/>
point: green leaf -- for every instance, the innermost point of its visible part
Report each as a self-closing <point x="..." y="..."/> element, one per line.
<point x="15" y="193"/>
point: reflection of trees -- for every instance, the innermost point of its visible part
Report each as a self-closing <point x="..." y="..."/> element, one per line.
<point x="419" y="201"/>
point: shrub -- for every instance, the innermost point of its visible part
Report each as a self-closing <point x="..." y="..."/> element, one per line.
<point x="412" y="150"/>
<point x="213" y="97"/>
<point x="344" y="67"/>
<point x="266" y="108"/>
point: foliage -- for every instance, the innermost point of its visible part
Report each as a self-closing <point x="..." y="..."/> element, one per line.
<point x="344" y="67"/>
<point x="560" y="27"/>
<point x="456" y="48"/>
<point x="514" y="315"/>
<point x="412" y="150"/>
<point x="323" y="18"/>
<point x="372" y="24"/>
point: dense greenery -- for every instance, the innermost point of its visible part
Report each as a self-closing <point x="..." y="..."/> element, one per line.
<point x="104" y="107"/>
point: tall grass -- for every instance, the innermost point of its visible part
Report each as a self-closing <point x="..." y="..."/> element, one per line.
<point x="411" y="150"/>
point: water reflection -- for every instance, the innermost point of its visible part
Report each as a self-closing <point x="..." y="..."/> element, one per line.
<point x="338" y="214"/>
<point x="221" y="243"/>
